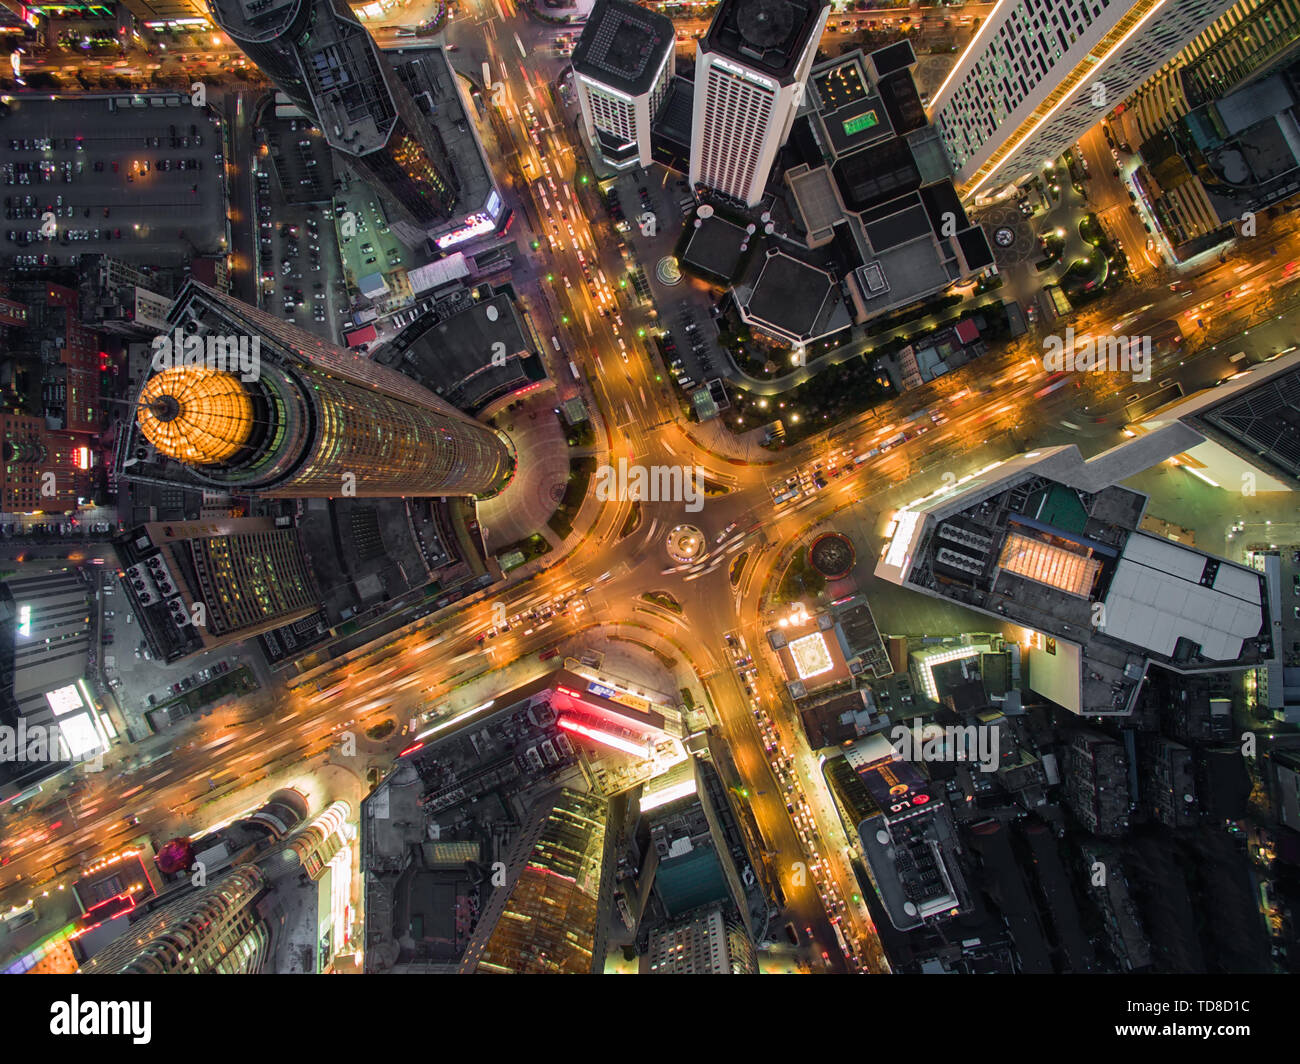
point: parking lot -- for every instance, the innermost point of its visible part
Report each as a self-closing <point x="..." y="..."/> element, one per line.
<point x="374" y="248"/>
<point x="86" y="176"/>
<point x="691" y="349"/>
<point x="300" y="275"/>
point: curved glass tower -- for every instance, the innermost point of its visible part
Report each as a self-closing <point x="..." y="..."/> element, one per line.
<point x="305" y="419"/>
<point x="216" y="931"/>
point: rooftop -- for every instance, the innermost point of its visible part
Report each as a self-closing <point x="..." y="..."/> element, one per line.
<point x="796" y="301"/>
<point x="623" y="45"/>
<point x="769" y="36"/>
<point x="469" y="353"/>
<point x="1043" y="542"/>
<point x="715" y="247"/>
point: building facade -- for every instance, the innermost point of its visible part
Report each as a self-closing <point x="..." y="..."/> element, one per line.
<point x="1210" y="108"/>
<point x="1040" y="73"/>
<point x="196" y="585"/>
<point x="218" y="929"/>
<point x="44" y="470"/>
<point x="750" y="75"/>
<point x="547" y="919"/>
<point x="707" y="943"/>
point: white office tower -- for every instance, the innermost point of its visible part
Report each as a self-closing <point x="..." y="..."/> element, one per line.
<point x="1039" y="73"/>
<point x="750" y="73"/>
<point x="622" y="65"/>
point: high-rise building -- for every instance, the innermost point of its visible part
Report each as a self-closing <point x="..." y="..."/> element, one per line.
<point x="750" y="74"/>
<point x="249" y="404"/>
<point x="547" y="919"/>
<point x="41" y="469"/>
<point x="238" y="576"/>
<point x="1057" y="545"/>
<point x="1039" y="73"/>
<point x="1243" y="435"/>
<point x="327" y="63"/>
<point x="219" y="929"/>
<point x="706" y="943"/>
<point x="1213" y="128"/>
<point x="622" y="65"/>
<point x="687" y="855"/>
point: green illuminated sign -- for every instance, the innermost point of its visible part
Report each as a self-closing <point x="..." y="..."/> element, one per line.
<point x="864" y="121"/>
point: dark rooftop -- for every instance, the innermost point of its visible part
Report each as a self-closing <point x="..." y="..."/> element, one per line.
<point x="715" y="247"/>
<point x="791" y="295"/>
<point x="1265" y="421"/>
<point x="902" y="101"/>
<point x="450" y="350"/>
<point x="623" y="45"/>
<point x="670" y="132"/>
<point x="876" y="174"/>
<point x="900" y="228"/>
<point x="892" y="58"/>
<point x="766" y="35"/>
<point x="975" y="248"/>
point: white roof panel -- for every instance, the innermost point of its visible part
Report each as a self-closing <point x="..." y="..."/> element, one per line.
<point x="1156" y="598"/>
<point x="1238" y="582"/>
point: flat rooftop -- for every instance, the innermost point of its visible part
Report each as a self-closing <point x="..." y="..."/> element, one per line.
<point x="623" y="45"/>
<point x="765" y="35"/>
<point x="852" y="112"/>
<point x="450" y="350"/>
<point x="715" y="247"/>
<point x="1032" y="546"/>
<point x="797" y="301"/>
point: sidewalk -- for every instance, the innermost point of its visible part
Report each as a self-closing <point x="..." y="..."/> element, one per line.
<point x="715" y="439"/>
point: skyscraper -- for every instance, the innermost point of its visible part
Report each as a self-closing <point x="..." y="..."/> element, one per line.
<point x="547" y="919"/>
<point x="217" y="929"/>
<point x="1055" y="544"/>
<point x="750" y="76"/>
<point x="323" y="59"/>
<point x="1039" y="73"/>
<point x="622" y="65"/>
<point x="247" y="575"/>
<point x="250" y="404"/>
<point x="705" y="943"/>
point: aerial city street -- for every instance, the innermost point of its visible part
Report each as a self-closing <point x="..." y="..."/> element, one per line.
<point x="629" y="487"/>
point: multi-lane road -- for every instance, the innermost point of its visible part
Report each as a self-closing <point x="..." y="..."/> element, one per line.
<point x="992" y="409"/>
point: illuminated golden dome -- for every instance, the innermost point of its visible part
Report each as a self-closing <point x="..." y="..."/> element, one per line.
<point x="196" y="415"/>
